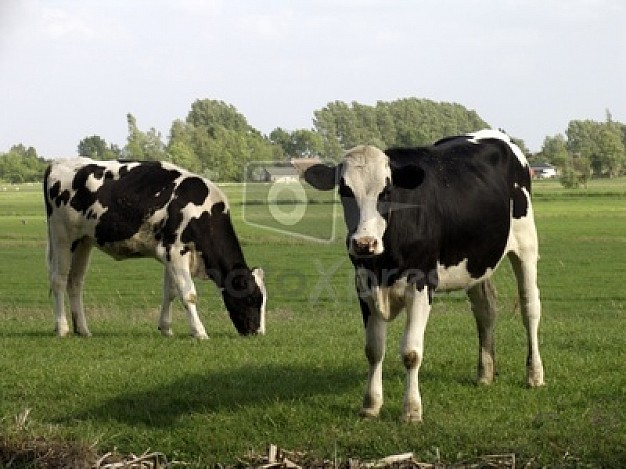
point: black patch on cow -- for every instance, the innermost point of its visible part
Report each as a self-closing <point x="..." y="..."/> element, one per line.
<point x="214" y="236"/>
<point x="63" y="198"/>
<point x="520" y="204"/>
<point x="365" y="310"/>
<point x="191" y="190"/>
<point x="519" y="199"/>
<point x="350" y="212"/>
<point x="75" y="244"/>
<point x="83" y="198"/>
<point x="129" y="200"/>
<point x="55" y="196"/>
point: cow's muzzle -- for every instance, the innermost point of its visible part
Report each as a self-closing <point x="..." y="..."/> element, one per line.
<point x="365" y="246"/>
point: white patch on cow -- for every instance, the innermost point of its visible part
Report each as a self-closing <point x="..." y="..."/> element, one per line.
<point x="457" y="277"/>
<point x="97" y="209"/>
<point x="491" y="134"/>
<point x="93" y="183"/>
<point x="259" y="278"/>
<point x="366" y="172"/>
<point x="386" y="301"/>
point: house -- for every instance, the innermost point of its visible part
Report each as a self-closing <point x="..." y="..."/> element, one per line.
<point x="543" y="171"/>
<point x="284" y="172"/>
<point x="281" y="174"/>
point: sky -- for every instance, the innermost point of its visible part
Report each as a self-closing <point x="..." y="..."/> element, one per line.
<point x="70" y="69"/>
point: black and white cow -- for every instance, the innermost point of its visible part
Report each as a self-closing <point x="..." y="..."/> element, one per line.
<point x="431" y="219"/>
<point x="147" y="209"/>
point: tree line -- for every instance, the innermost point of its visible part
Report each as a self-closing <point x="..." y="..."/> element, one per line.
<point x="216" y="140"/>
<point x="588" y="148"/>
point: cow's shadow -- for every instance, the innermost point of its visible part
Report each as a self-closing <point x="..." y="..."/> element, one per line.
<point x="229" y="390"/>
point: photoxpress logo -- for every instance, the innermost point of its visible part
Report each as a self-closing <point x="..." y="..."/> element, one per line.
<point x="276" y="198"/>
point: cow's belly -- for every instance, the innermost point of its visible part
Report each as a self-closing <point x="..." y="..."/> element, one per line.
<point x="141" y="244"/>
<point x="457" y="277"/>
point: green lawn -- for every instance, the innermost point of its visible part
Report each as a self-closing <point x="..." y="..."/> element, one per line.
<point x="301" y="385"/>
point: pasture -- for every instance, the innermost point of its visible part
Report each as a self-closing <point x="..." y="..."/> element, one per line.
<point x="300" y="386"/>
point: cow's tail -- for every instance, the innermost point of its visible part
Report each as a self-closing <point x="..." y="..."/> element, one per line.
<point x="49" y="244"/>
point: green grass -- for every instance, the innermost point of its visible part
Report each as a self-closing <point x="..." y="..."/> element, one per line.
<point x="301" y="385"/>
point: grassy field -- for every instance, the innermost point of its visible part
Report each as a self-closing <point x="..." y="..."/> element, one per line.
<point x="300" y="386"/>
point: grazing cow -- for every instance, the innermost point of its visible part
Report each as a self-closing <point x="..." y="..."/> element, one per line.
<point x="147" y="209"/>
<point x="431" y="219"/>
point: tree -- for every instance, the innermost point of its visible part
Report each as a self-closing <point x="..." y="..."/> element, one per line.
<point x="211" y="114"/>
<point x="554" y="151"/>
<point x="21" y="164"/>
<point x="96" y="147"/>
<point x="599" y="142"/>
<point x="216" y="140"/>
<point x="180" y="148"/>
<point x="405" y="122"/>
<point x="299" y="143"/>
<point x="611" y="149"/>
<point x="143" y="145"/>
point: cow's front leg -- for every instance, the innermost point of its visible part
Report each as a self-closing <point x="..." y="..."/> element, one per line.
<point x="169" y="293"/>
<point x="181" y="277"/>
<point x="375" y="336"/>
<point x="412" y="349"/>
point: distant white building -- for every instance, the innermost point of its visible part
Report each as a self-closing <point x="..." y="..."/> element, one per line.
<point x="543" y="171"/>
<point x="281" y="174"/>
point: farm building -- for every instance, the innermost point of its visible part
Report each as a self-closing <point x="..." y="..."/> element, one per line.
<point x="281" y="174"/>
<point x="543" y="171"/>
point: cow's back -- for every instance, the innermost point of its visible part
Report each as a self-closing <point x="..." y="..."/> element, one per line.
<point x="127" y="208"/>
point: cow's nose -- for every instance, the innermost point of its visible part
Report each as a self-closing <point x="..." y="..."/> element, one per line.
<point x="365" y="245"/>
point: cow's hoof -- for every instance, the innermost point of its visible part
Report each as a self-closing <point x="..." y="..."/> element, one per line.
<point x="200" y="336"/>
<point x="412" y="417"/>
<point x="368" y="413"/>
<point x="62" y="332"/>
<point x="535" y="382"/>
<point x="534" y="378"/>
<point x="166" y="332"/>
<point x="484" y="380"/>
<point x="84" y="334"/>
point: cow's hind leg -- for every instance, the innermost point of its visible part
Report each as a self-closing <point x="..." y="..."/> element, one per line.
<point x="59" y="259"/>
<point x="80" y="262"/>
<point x="525" y="268"/>
<point x="483" y="300"/>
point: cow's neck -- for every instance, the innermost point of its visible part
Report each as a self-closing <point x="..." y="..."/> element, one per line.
<point x="224" y="256"/>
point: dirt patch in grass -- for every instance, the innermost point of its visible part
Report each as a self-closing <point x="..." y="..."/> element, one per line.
<point x="42" y="453"/>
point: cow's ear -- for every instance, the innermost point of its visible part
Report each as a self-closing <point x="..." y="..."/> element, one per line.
<point x="322" y="177"/>
<point x="406" y="176"/>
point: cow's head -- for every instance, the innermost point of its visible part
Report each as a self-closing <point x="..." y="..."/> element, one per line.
<point x="367" y="181"/>
<point x="245" y="298"/>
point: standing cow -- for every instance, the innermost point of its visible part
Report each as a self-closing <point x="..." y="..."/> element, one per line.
<point x="431" y="219"/>
<point x="147" y="209"/>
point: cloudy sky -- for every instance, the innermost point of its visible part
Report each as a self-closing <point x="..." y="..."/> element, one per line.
<point x="75" y="68"/>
